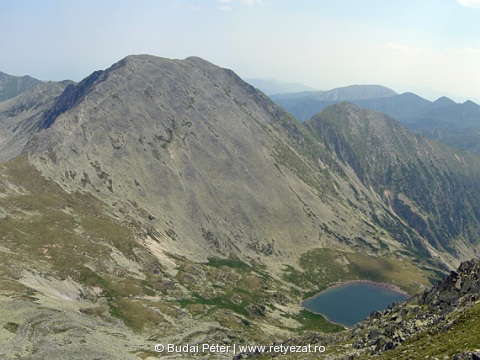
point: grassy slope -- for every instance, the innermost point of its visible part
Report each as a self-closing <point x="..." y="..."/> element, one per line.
<point x="323" y="267"/>
<point x="52" y="234"/>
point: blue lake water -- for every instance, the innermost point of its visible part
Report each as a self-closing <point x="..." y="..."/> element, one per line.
<point x="350" y="303"/>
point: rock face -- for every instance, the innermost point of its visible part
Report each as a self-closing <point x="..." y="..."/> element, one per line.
<point x="436" y="310"/>
<point x="459" y="288"/>
<point x="194" y="152"/>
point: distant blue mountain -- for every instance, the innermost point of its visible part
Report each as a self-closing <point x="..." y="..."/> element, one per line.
<point x="444" y="120"/>
<point x="271" y="86"/>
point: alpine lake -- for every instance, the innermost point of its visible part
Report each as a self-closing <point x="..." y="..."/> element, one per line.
<point x="352" y="302"/>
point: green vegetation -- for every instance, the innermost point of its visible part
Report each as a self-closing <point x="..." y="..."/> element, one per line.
<point x="463" y="335"/>
<point x="49" y="225"/>
<point x="71" y="236"/>
<point x="315" y="322"/>
<point x="323" y="267"/>
<point x="245" y="290"/>
<point x="11" y="326"/>
<point x="217" y="302"/>
<point x="137" y="314"/>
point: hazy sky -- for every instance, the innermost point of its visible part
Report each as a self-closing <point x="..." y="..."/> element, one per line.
<point x="408" y="45"/>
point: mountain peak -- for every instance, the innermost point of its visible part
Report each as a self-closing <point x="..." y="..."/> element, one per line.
<point x="158" y="61"/>
<point x="444" y="101"/>
<point x="133" y="69"/>
<point x="356" y="92"/>
<point x="393" y="160"/>
<point x="471" y="104"/>
<point x="195" y="128"/>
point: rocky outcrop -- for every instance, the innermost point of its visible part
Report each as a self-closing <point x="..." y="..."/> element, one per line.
<point x="459" y="288"/>
<point x="431" y="311"/>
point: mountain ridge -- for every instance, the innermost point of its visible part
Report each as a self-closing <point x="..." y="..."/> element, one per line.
<point x="443" y="120"/>
<point x="272" y="86"/>
<point x="397" y="165"/>
<point x="170" y="130"/>
<point x="176" y="146"/>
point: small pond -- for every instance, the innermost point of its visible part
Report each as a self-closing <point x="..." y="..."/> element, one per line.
<point x="350" y="303"/>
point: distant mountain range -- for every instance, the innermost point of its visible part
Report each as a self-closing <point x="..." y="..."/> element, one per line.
<point x="444" y="120"/>
<point x="272" y="86"/>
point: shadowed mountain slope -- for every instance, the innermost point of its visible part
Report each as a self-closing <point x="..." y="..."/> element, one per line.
<point x="21" y="117"/>
<point x="432" y="188"/>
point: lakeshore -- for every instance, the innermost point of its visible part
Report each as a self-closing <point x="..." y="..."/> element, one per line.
<point x="346" y="303"/>
<point x="387" y="286"/>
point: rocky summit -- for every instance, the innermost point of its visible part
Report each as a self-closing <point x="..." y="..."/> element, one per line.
<point x="167" y="201"/>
